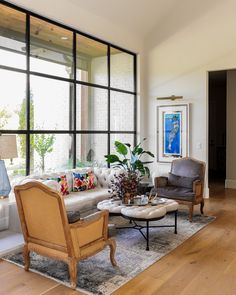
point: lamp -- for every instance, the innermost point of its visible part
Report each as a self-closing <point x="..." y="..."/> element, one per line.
<point x="8" y="150"/>
<point x="172" y="97"/>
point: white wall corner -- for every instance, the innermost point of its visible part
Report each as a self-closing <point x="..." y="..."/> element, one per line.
<point x="230" y="183"/>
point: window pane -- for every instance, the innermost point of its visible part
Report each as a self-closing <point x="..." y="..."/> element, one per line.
<point x="50" y="48"/>
<point x="91" y="61"/>
<point x="122" y="111"/>
<point x="50" y="152"/>
<point x="12" y="100"/>
<point x="17" y="166"/>
<point x="122" y="70"/>
<point x="50" y="103"/>
<point x="92" y="104"/>
<point x="124" y="138"/>
<point x="91" y="149"/>
<point x="12" y="37"/>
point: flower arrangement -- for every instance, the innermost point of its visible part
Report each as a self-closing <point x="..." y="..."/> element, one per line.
<point x="126" y="184"/>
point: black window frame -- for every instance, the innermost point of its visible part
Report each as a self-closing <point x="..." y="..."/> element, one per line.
<point x="74" y="81"/>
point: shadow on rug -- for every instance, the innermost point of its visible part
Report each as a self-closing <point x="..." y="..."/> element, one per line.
<point x="96" y="274"/>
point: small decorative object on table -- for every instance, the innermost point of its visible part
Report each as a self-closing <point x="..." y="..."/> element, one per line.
<point x="125" y="185"/>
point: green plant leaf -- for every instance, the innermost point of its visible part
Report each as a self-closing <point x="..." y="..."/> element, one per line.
<point x="121" y="148"/>
<point x="147" y="171"/>
<point x="139" y="151"/>
<point x="125" y="161"/>
<point x="147" y="162"/>
<point x="148" y="153"/>
<point x="128" y="145"/>
<point x="112" y="159"/>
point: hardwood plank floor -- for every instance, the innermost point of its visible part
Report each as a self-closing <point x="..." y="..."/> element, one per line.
<point x="205" y="264"/>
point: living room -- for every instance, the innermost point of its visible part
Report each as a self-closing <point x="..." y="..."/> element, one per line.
<point x="77" y="79"/>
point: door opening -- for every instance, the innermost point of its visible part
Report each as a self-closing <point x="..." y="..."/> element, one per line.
<point x="217" y="129"/>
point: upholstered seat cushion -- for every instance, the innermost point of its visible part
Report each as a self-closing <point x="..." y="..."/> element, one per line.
<point x="73" y="216"/>
<point x="111" y="206"/>
<point x="150" y="212"/>
<point x="83" y="201"/>
<point x="174" y="192"/>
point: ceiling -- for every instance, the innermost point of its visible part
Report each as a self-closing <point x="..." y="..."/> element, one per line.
<point x="138" y="16"/>
<point x="47" y="35"/>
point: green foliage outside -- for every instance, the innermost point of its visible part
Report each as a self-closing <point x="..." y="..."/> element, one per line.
<point x="4" y="116"/>
<point x="41" y="143"/>
<point x="22" y="126"/>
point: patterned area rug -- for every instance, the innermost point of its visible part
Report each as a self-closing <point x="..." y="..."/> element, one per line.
<point x="97" y="276"/>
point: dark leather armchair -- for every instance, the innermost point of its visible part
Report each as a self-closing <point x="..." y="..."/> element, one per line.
<point x="184" y="184"/>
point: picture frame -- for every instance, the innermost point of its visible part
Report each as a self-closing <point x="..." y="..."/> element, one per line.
<point x="172" y="132"/>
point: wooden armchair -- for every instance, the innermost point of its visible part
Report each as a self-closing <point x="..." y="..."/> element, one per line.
<point x="185" y="183"/>
<point x="47" y="231"/>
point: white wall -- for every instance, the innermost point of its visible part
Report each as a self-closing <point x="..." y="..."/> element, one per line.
<point x="231" y="138"/>
<point x="179" y="55"/>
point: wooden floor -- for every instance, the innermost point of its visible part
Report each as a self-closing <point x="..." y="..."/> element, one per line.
<point x="203" y="265"/>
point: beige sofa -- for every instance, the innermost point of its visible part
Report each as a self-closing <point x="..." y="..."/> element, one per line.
<point x="85" y="201"/>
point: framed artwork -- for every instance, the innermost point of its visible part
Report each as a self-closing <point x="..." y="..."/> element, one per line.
<point x="172" y="132"/>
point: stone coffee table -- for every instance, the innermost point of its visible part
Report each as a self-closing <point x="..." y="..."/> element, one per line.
<point x="146" y="213"/>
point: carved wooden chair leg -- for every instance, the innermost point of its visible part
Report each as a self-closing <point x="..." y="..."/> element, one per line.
<point x="26" y="254"/>
<point x="112" y="245"/>
<point x="72" y="263"/>
<point x="191" y="212"/>
<point x="202" y="206"/>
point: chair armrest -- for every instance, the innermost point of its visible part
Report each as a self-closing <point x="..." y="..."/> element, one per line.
<point x="91" y="228"/>
<point x="90" y="219"/>
<point x="160" y="181"/>
<point x="197" y="188"/>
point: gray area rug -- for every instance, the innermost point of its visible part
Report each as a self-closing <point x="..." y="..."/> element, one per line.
<point x="96" y="274"/>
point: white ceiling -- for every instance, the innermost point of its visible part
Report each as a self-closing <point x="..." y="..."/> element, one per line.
<point x="137" y="16"/>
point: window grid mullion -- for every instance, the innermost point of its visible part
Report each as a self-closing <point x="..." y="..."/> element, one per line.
<point x="73" y="80"/>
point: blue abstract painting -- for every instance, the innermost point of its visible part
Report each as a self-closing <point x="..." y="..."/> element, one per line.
<point x="172" y="134"/>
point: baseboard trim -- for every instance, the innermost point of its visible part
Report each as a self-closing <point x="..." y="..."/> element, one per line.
<point x="230" y="183"/>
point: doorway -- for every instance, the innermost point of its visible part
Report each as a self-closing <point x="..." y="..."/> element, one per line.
<point x="217" y="103"/>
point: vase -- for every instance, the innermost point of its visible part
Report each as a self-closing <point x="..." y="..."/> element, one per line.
<point x="127" y="198"/>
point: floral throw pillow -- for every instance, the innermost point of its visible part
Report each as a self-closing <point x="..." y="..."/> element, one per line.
<point x="83" y="181"/>
<point x="63" y="183"/>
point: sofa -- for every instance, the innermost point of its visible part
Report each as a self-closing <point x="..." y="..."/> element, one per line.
<point x="83" y="201"/>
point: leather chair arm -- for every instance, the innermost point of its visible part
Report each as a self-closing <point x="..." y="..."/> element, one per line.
<point x="160" y="181"/>
<point x="197" y="188"/>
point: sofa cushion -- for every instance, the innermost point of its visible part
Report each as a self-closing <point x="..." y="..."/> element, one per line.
<point x="85" y="200"/>
<point x="83" y="181"/>
<point x="173" y="192"/>
<point x="62" y="180"/>
<point x="181" y="181"/>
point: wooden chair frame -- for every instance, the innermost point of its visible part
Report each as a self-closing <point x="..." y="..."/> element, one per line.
<point x="67" y="253"/>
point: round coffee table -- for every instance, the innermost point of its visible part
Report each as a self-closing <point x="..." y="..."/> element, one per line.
<point x="146" y="213"/>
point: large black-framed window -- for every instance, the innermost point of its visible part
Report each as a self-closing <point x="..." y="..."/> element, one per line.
<point x="64" y="92"/>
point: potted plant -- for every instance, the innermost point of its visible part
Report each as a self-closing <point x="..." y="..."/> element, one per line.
<point x="125" y="185"/>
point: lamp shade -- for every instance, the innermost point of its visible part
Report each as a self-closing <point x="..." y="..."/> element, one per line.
<point x="8" y="149"/>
